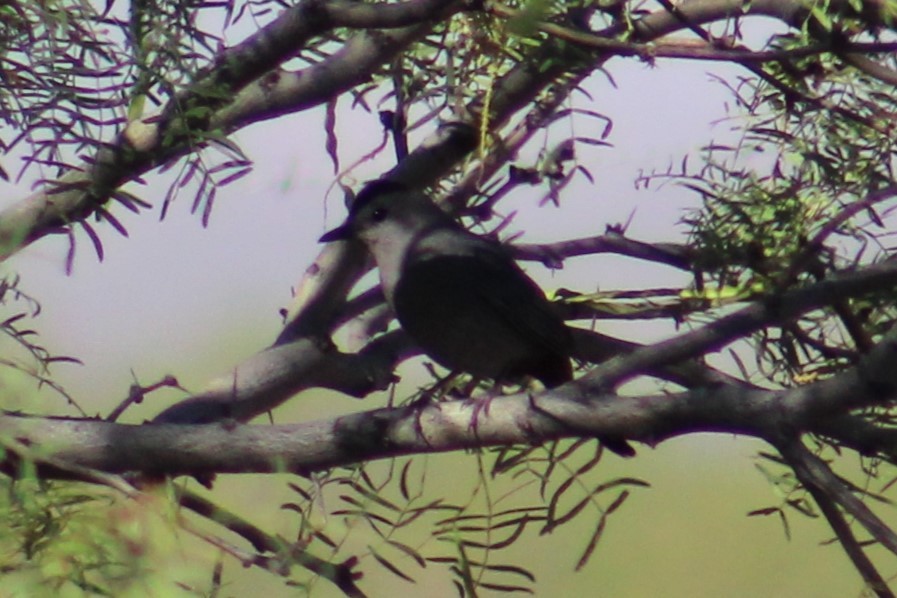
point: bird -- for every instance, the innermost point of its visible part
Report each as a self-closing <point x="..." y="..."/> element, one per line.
<point x="460" y="297"/>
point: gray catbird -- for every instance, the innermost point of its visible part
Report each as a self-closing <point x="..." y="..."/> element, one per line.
<point x="460" y="297"/>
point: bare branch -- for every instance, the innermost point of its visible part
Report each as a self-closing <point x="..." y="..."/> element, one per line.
<point x="829" y="493"/>
<point x="861" y="435"/>
<point x="576" y="409"/>
<point x="341" y="575"/>
<point x="270" y="377"/>
<point x="714" y="336"/>
<point x="694" y="49"/>
<point x="553" y="254"/>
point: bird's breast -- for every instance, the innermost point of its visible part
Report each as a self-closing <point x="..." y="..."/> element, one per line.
<point x="477" y="316"/>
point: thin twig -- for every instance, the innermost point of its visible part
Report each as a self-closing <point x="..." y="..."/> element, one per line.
<point x="340" y="575"/>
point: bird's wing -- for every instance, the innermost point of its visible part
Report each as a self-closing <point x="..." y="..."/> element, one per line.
<point x="484" y="272"/>
<point x="521" y="302"/>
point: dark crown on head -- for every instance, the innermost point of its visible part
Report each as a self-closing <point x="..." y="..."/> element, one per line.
<point x="375" y="189"/>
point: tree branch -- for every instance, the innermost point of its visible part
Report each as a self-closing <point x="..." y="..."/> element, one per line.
<point x="772" y="310"/>
<point x="829" y="492"/>
<point x="690" y="48"/>
<point x="341" y="575"/>
<point x="579" y="408"/>
<point x="270" y="377"/>
<point x="861" y="435"/>
<point x="553" y="254"/>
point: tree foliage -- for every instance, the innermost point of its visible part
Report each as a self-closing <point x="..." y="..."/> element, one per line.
<point x="787" y="265"/>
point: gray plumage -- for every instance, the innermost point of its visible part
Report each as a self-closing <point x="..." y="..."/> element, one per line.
<point x="460" y="297"/>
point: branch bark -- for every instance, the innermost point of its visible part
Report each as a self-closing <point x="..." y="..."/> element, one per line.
<point x="580" y="408"/>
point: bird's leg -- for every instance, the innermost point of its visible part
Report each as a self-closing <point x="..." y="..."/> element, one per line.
<point x="435" y="393"/>
<point x="465" y="391"/>
<point x="481" y="404"/>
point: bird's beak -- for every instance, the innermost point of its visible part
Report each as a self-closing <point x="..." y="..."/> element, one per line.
<point x="340" y="233"/>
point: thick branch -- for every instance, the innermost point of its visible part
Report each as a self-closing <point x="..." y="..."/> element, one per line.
<point x="270" y="377"/>
<point x="701" y="12"/>
<point x="575" y="409"/>
<point x="814" y="473"/>
<point x="772" y="310"/>
<point x="173" y="449"/>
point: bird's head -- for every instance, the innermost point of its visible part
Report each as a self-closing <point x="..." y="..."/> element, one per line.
<point x="387" y="210"/>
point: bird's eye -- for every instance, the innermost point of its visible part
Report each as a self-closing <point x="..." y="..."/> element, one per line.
<point x="378" y="215"/>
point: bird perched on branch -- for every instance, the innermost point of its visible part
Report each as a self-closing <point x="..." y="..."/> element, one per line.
<point x="460" y="297"/>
